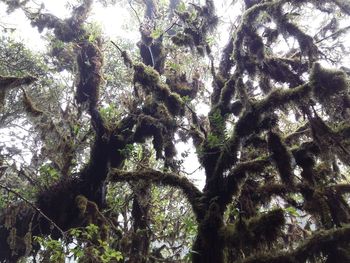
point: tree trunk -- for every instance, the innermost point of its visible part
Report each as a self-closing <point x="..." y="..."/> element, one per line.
<point x="139" y="251"/>
<point x="209" y="246"/>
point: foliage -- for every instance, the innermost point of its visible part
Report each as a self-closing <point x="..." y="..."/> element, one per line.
<point x="56" y="250"/>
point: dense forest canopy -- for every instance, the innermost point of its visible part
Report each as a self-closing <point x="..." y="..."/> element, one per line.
<point x="202" y="131"/>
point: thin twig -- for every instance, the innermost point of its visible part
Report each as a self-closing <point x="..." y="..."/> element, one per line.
<point x="133" y="9"/>
<point x="121" y="51"/>
<point x="340" y="31"/>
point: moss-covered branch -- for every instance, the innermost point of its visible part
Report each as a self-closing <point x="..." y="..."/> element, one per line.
<point x="319" y="243"/>
<point x="282" y="157"/>
<point x="252" y="233"/>
<point x="189" y="189"/>
<point x="65" y="30"/>
<point x="235" y="177"/>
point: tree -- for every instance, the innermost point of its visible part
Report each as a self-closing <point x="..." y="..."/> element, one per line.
<point x="274" y="146"/>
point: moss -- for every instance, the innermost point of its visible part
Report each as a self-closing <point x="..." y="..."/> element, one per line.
<point x="228" y="91"/>
<point x="146" y="127"/>
<point x="127" y="60"/>
<point x="181" y="39"/>
<point x="265" y="84"/>
<point x="280" y="97"/>
<point x="246" y="235"/>
<point x="256" y="46"/>
<point x="303" y="157"/>
<point x="175" y="104"/>
<point x="31" y="109"/>
<point x="279" y="71"/>
<point x="150" y="79"/>
<point x="316" y="204"/>
<point x="179" y="84"/>
<point x="268" y="190"/>
<point x="247" y="123"/>
<point x="236" y="235"/>
<point x="90" y="61"/>
<point x="146" y="75"/>
<point x="327" y="82"/>
<point x="89" y="212"/>
<point x="201" y="50"/>
<point x="268" y="122"/>
<point x="235" y="107"/>
<point x="169" y="150"/>
<point x="282" y="158"/>
<point x="65" y="30"/>
<point x="163" y="113"/>
<point x="81" y="202"/>
<point x="267" y="227"/>
<point x="342" y="129"/>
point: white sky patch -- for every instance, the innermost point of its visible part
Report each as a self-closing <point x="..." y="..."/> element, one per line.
<point x="24" y="32"/>
<point x="113" y="20"/>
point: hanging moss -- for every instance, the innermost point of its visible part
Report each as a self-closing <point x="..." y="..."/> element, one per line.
<point x="181" y="39"/>
<point x="30" y="108"/>
<point x="265" y="84"/>
<point x="65" y="30"/>
<point x="150" y="80"/>
<point x="236" y="235"/>
<point x="282" y="158"/>
<point x="81" y="202"/>
<point x="267" y="227"/>
<point x="255" y="232"/>
<point x="196" y="27"/>
<point x="247" y="123"/>
<point x="174" y="103"/>
<point x="90" y="61"/>
<point x="169" y="149"/>
<point x="269" y="190"/>
<point x="339" y="208"/>
<point x="327" y="82"/>
<point x="146" y="127"/>
<point x="179" y="84"/>
<point x="89" y="212"/>
<point x="268" y="122"/>
<point x="280" y="97"/>
<point x="316" y="204"/>
<point x="146" y="75"/>
<point x="126" y="59"/>
<point x="228" y="91"/>
<point x="256" y="46"/>
<point x="278" y="70"/>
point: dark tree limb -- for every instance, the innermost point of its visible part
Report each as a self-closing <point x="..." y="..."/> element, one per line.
<point x="318" y="243"/>
<point x="191" y="192"/>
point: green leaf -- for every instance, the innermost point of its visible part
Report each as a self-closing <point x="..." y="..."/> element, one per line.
<point x="292" y="210"/>
<point x="181" y="7"/>
<point x="156" y="33"/>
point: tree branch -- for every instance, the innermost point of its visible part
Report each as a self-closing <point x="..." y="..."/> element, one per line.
<point x="316" y="244"/>
<point x="189" y="189"/>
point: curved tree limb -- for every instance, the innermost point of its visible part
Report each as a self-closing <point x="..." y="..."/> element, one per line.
<point x="189" y="189"/>
<point x="318" y="243"/>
